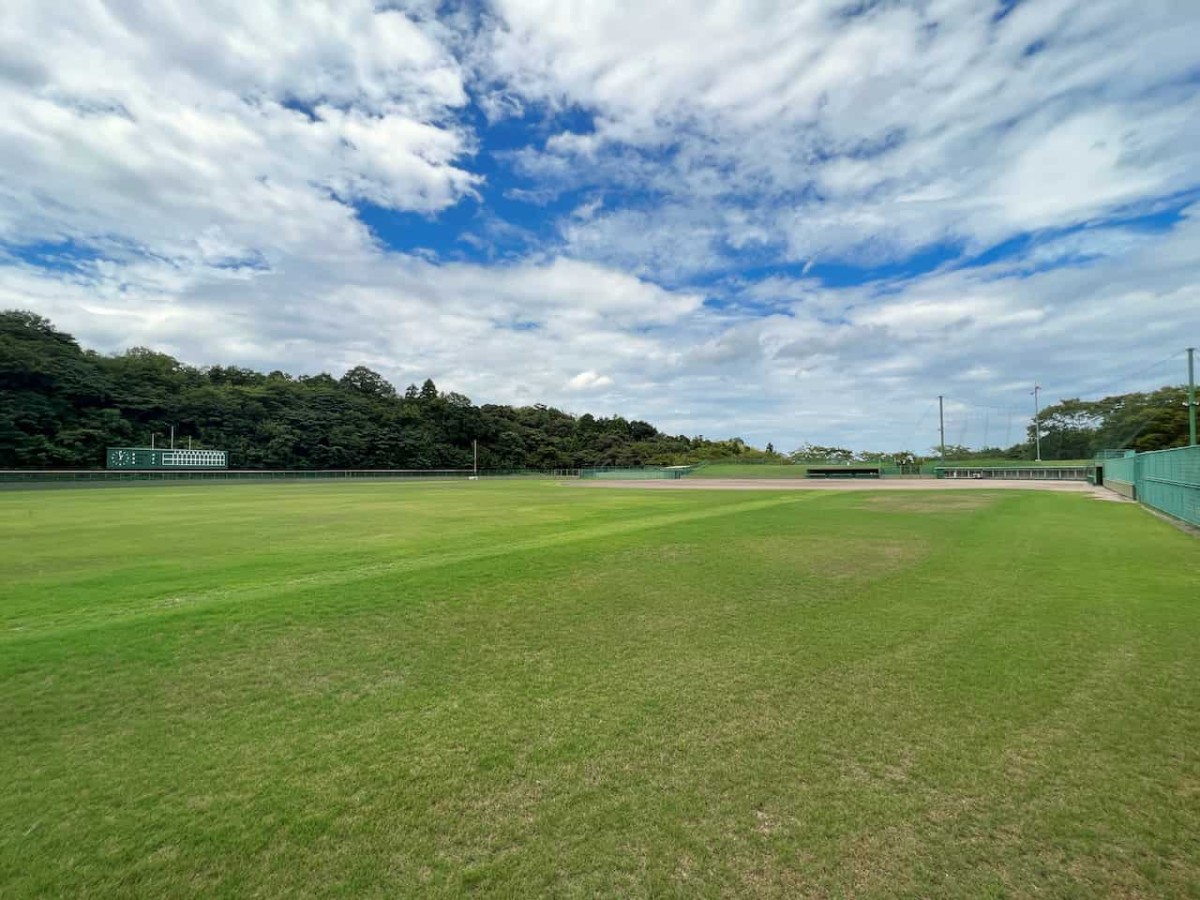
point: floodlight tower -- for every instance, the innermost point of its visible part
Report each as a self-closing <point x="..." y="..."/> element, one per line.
<point x="1037" y="424"/>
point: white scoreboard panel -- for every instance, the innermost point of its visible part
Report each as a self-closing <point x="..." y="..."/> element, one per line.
<point x="194" y="459"/>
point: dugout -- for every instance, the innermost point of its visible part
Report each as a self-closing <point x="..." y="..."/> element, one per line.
<point x="843" y="472"/>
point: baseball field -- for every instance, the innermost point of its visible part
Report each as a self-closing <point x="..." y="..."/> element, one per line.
<point x="523" y="689"/>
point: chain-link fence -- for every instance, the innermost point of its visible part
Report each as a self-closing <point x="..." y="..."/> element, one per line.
<point x="634" y="473"/>
<point x="1167" y="480"/>
<point x="126" y="476"/>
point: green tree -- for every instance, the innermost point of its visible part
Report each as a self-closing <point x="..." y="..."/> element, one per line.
<point x="368" y="383"/>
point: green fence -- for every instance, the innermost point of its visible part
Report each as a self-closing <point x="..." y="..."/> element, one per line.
<point x="18" y="477"/>
<point x="1167" y="480"/>
<point x="1120" y="472"/>
<point x="634" y="473"/>
<point x="1015" y="473"/>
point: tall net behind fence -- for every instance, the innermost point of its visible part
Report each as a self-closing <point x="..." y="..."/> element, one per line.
<point x="1169" y="480"/>
<point x="1122" y="469"/>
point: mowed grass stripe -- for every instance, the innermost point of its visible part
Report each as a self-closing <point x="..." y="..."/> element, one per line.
<point x="33" y="625"/>
<point x="863" y="695"/>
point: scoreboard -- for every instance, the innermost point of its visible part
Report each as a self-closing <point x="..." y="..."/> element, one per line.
<point x="165" y="458"/>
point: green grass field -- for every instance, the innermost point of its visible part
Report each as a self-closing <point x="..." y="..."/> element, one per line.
<point x="524" y="689"/>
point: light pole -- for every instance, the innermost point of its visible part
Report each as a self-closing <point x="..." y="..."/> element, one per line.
<point x="1037" y="424"/>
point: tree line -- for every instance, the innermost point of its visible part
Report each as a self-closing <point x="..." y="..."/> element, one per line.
<point x="62" y="405"/>
<point x="1144" y="421"/>
<point x="1071" y="429"/>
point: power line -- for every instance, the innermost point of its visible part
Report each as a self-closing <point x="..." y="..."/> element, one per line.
<point x="1125" y="379"/>
<point x="1007" y="409"/>
<point x="965" y="407"/>
<point x="1122" y="380"/>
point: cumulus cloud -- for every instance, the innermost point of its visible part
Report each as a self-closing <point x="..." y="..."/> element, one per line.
<point x="854" y="131"/>
<point x="585" y="381"/>
<point x="856" y="366"/>
<point x="517" y="333"/>
<point x="221" y="131"/>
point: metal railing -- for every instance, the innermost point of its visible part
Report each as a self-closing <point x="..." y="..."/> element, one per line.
<point x="634" y="473"/>
<point x="118" y="476"/>
<point x="1015" y="473"/>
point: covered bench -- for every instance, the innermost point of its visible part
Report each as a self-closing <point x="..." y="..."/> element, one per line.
<point x="843" y="472"/>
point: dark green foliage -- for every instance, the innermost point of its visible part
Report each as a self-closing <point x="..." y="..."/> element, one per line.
<point x="1077" y="429"/>
<point x="55" y="399"/>
<point x="62" y="406"/>
<point x="1156" y="420"/>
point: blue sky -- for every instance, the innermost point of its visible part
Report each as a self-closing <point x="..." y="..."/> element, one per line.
<point x="791" y="221"/>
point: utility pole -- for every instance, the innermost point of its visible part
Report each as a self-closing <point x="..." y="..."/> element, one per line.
<point x="475" y="458"/>
<point x="1192" y="395"/>
<point x="942" y="426"/>
<point x="172" y="437"/>
<point x="1037" y="422"/>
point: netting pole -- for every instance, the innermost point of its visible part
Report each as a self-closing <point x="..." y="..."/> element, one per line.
<point x="942" y="427"/>
<point x="1037" y="423"/>
<point x="1192" y="395"/>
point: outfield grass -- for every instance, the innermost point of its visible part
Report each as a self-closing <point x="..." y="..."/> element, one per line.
<point x="522" y="689"/>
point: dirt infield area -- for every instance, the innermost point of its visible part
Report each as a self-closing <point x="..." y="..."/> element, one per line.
<point x="851" y="484"/>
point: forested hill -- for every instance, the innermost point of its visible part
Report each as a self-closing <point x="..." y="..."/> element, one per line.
<point x="61" y="406"/>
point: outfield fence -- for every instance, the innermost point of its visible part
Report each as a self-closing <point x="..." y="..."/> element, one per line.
<point x="635" y="473"/>
<point x="1166" y="480"/>
<point x="1015" y="473"/>
<point x="1001" y="468"/>
<point x="118" y="476"/>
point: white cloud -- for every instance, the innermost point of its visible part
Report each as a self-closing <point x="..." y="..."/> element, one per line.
<point x="221" y="130"/>
<point x="585" y="381"/>
<point x="859" y="136"/>
<point x="519" y="333"/>
<point x="857" y="366"/>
